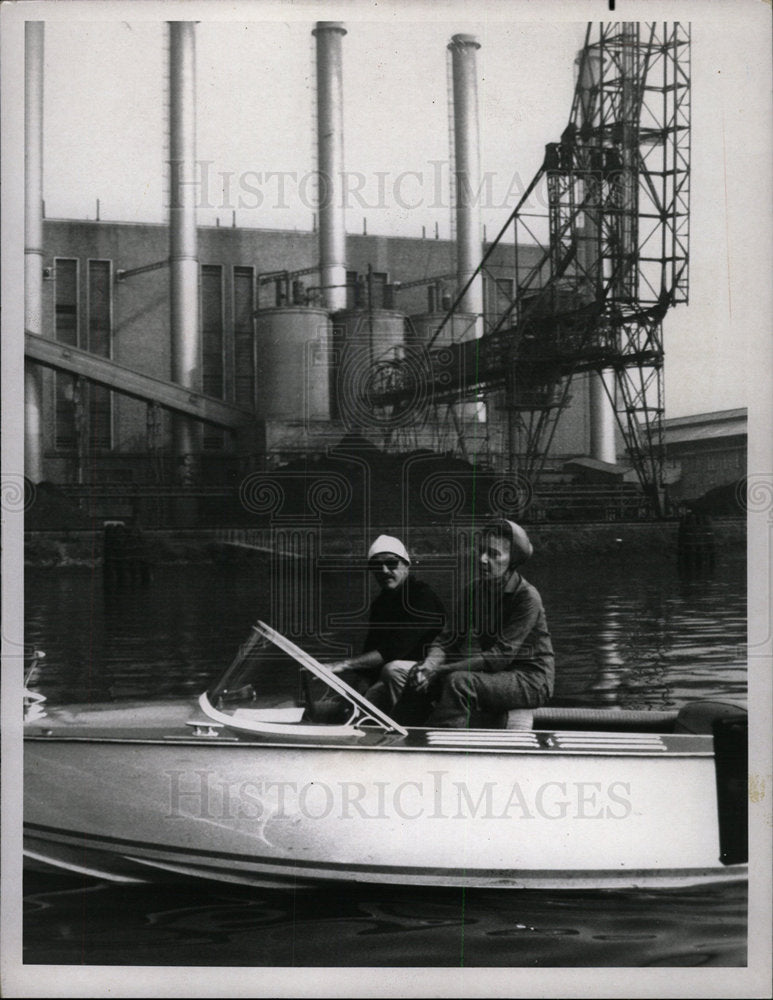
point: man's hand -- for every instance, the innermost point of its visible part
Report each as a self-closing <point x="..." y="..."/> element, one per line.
<point x="338" y="666"/>
<point x="421" y="676"/>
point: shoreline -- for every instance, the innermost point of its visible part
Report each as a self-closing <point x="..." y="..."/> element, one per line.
<point x="83" y="547"/>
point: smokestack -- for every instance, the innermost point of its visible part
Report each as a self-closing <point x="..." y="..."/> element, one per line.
<point x="603" y="446"/>
<point x="34" y="35"/>
<point x="183" y="249"/>
<point x="330" y="163"/>
<point x="588" y="70"/>
<point x="601" y="385"/>
<point x="463" y="50"/>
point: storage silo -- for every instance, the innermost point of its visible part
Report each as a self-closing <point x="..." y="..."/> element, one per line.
<point x="460" y="326"/>
<point x="376" y="332"/>
<point x="365" y="341"/>
<point x="293" y="352"/>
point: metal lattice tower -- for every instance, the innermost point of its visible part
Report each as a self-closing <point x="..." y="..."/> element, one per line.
<point x="596" y="270"/>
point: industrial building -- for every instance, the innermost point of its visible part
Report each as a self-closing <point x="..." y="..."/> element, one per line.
<point x="100" y="295"/>
<point x="706" y="451"/>
<point x="186" y="355"/>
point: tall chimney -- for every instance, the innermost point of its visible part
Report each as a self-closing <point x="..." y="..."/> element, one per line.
<point x="330" y="163"/>
<point x="603" y="444"/>
<point x="463" y="50"/>
<point x="588" y="70"/>
<point x="34" y="33"/>
<point x="183" y="249"/>
<point x="601" y="385"/>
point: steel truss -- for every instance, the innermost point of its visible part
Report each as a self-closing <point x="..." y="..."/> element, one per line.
<point x="594" y="272"/>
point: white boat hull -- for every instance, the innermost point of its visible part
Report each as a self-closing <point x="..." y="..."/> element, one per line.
<point x="489" y="809"/>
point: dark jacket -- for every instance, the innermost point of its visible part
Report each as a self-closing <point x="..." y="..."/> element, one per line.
<point x="501" y="628"/>
<point x="404" y="622"/>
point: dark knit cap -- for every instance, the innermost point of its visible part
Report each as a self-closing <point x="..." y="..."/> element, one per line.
<point x="520" y="547"/>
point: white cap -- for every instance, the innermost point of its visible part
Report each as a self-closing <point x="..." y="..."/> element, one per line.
<point x="386" y="543"/>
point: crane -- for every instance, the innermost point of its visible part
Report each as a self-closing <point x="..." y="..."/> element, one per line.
<point x="593" y="273"/>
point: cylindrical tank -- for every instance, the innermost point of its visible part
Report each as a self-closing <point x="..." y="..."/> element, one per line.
<point x="373" y="333"/>
<point x="365" y="342"/>
<point x="293" y="367"/>
<point x="461" y="326"/>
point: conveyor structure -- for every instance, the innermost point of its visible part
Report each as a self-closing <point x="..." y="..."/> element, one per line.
<point x="607" y="258"/>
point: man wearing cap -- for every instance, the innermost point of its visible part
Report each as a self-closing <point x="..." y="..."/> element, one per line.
<point x="404" y="619"/>
<point x="499" y="655"/>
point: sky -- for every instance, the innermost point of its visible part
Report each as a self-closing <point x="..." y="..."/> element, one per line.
<point x="256" y="118"/>
<point x="105" y="137"/>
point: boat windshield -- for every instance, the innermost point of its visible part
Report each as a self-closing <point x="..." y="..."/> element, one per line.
<point x="273" y="684"/>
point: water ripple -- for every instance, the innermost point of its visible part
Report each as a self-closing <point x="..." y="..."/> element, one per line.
<point x="633" y="635"/>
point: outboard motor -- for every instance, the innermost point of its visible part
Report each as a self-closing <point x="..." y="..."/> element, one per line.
<point x="730" y="728"/>
<point x="731" y="761"/>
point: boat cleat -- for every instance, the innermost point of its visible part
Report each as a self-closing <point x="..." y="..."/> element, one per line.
<point x="211" y="730"/>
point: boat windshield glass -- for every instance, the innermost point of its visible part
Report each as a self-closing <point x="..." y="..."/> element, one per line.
<point x="272" y="682"/>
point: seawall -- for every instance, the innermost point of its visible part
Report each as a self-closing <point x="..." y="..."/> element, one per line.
<point x="85" y="547"/>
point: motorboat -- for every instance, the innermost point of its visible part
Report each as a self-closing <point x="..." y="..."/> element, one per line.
<point x="283" y="775"/>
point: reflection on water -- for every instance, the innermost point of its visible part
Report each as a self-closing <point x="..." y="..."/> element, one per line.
<point x="605" y="686"/>
<point x="69" y="920"/>
<point x="628" y="632"/>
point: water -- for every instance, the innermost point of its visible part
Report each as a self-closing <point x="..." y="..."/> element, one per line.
<point x="70" y="920"/>
<point x="626" y="630"/>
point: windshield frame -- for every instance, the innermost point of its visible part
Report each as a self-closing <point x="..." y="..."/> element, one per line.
<point x="363" y="711"/>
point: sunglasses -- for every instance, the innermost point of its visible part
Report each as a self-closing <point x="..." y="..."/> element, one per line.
<point x="392" y="562"/>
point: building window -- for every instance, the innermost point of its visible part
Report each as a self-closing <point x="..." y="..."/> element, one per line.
<point x="353" y="290"/>
<point x="100" y="323"/>
<point x="212" y="343"/>
<point x="212" y="330"/>
<point x="66" y="332"/>
<point x="244" y="337"/>
<point x="66" y="302"/>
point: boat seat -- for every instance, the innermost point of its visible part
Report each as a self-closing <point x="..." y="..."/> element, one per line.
<point x="624" y="720"/>
<point x="520" y="718"/>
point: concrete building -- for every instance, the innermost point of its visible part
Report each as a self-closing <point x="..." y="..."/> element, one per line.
<point x="705" y="450"/>
<point x="106" y="290"/>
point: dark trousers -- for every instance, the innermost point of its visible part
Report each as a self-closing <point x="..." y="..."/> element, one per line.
<point x="473" y="700"/>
